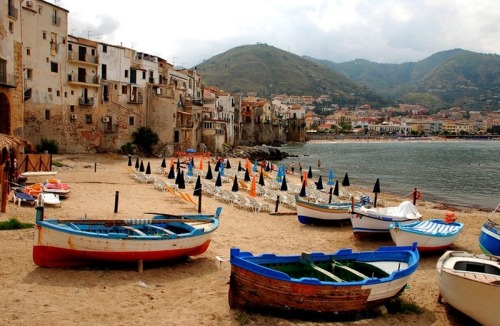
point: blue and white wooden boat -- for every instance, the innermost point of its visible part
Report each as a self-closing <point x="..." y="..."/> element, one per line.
<point x="429" y="235"/>
<point x="489" y="238"/>
<point x="340" y="282"/>
<point x="471" y="283"/>
<point x="375" y="221"/>
<point x="78" y="242"/>
<point x="310" y="213"/>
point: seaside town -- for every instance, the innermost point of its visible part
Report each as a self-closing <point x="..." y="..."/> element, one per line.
<point x="90" y="96"/>
<point x="96" y="234"/>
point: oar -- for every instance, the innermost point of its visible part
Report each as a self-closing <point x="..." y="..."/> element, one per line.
<point x="134" y="222"/>
<point x="306" y="260"/>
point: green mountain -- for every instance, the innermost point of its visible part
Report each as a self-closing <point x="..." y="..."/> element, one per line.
<point x="267" y="70"/>
<point x="449" y="78"/>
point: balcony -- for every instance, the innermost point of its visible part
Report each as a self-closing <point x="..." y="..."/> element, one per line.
<point x="89" y="101"/>
<point x="135" y="99"/>
<point x="7" y="80"/>
<point x="81" y="79"/>
<point x="110" y="128"/>
<point x="12" y="11"/>
<point x="82" y="57"/>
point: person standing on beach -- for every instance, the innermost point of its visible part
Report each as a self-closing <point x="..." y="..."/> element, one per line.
<point x="319" y="164"/>
<point x="300" y="168"/>
<point x="292" y="167"/>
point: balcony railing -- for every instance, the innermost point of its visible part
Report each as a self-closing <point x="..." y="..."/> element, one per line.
<point x="8" y="80"/>
<point x="80" y="78"/>
<point x="84" y="57"/>
<point x="86" y="101"/>
<point x="135" y="99"/>
<point x="12" y="11"/>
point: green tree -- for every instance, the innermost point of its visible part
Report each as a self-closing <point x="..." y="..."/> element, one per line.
<point x="145" y="139"/>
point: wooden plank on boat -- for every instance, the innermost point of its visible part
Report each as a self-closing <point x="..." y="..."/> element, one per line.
<point x="336" y="264"/>
<point x="162" y="229"/>
<point x="306" y="259"/>
<point x="139" y="232"/>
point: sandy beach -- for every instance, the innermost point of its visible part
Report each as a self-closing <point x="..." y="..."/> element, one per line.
<point x="191" y="291"/>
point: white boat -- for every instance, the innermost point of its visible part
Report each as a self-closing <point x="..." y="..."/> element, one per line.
<point x="368" y="221"/>
<point x="430" y="235"/>
<point x="471" y="284"/>
<point x="311" y="213"/>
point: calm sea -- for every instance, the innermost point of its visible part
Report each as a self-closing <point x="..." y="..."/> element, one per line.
<point x="459" y="173"/>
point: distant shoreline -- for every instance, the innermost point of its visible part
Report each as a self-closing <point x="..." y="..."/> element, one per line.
<point x="402" y="139"/>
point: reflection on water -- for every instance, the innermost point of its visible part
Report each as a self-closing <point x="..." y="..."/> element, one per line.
<point x="463" y="173"/>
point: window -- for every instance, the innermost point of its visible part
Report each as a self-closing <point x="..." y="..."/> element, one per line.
<point x="66" y="94"/>
<point x="88" y="118"/>
<point x="58" y="93"/>
<point x="124" y="89"/>
<point x="143" y="74"/>
<point x="131" y="121"/>
<point x="44" y="35"/>
<point x="72" y="92"/>
<point x="11" y="27"/>
<point x="28" y="51"/>
<point x="54" y="67"/>
<point x="92" y="51"/>
<point x="104" y="48"/>
<point x="105" y="93"/>
<point x="70" y="47"/>
<point x="72" y="108"/>
<point x="126" y="73"/>
<point x="29" y="73"/>
<point x="47" y="114"/>
<point x="50" y="90"/>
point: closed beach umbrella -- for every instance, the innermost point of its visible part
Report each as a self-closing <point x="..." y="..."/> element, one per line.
<point x="303" y="190"/>
<point x="279" y="175"/>
<point x="304" y="178"/>
<point x="148" y="169"/>
<point x="235" y="184"/>
<point x="209" y="175"/>
<point x="217" y="166"/>
<point x="268" y="166"/>
<point x="137" y="163"/>
<point x="221" y="169"/>
<point x="141" y="168"/>
<point x="129" y="160"/>
<point x="171" y="162"/>
<point x="261" y="179"/>
<point x="336" y="189"/>
<point x="255" y="166"/>
<point x="284" y="187"/>
<point x="253" y="188"/>
<point x="182" y="183"/>
<point x="218" y="182"/>
<point x="330" y="178"/>
<point x="178" y="164"/>
<point x="197" y="187"/>
<point x="201" y="164"/>
<point x="190" y="169"/>
<point x="163" y="163"/>
<point x="247" y="176"/>
<point x="192" y="160"/>
<point x="310" y="173"/>
<point x="171" y="173"/>
<point x="345" y="182"/>
<point x="228" y="165"/>
<point x="239" y="166"/>
<point x="319" y="184"/>
<point x="177" y="177"/>
<point x="248" y="166"/>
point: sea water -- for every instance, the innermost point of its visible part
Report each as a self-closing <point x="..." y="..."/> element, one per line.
<point x="459" y="173"/>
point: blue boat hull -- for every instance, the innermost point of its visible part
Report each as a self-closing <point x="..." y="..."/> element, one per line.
<point x="489" y="239"/>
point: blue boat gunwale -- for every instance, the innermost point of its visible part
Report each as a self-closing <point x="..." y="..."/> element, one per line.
<point x="409" y="227"/>
<point x="247" y="260"/>
<point x="72" y="228"/>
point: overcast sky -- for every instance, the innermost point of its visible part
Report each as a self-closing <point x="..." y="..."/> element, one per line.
<point x="186" y="32"/>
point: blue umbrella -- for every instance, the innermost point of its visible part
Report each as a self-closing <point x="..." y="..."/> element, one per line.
<point x="255" y="166"/>
<point x="279" y="175"/>
<point x="190" y="150"/>
<point x="221" y="169"/>
<point x="190" y="169"/>
<point x="235" y="184"/>
<point x="330" y="178"/>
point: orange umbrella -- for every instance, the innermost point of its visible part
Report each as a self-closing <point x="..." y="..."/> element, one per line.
<point x="201" y="164"/>
<point x="253" y="188"/>
<point x="171" y="161"/>
<point x="304" y="178"/>
<point x="248" y="166"/>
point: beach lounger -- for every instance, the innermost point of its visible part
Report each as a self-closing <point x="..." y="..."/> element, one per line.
<point x="21" y="197"/>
